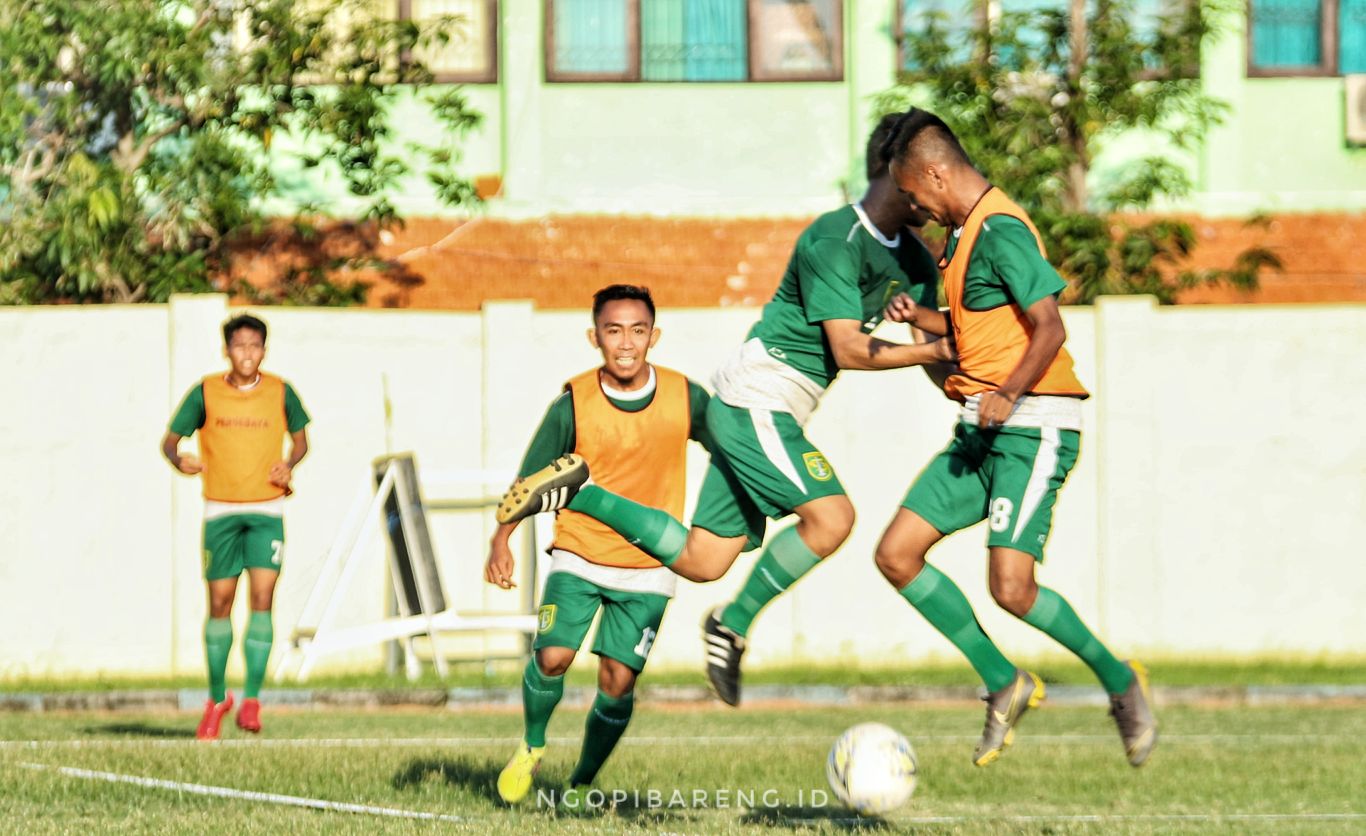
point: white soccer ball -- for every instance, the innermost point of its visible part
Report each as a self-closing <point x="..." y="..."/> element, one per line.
<point x="871" y="768"/>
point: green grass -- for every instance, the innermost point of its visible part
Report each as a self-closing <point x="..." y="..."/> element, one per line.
<point x="1261" y="670"/>
<point x="1067" y="762"/>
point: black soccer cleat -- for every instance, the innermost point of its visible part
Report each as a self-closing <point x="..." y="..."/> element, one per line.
<point x="548" y="489"/>
<point x="724" y="649"/>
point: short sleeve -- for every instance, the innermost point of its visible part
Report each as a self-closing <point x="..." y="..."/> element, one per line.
<point x="698" y="398"/>
<point x="189" y="416"/>
<point x="296" y="418"/>
<point x="828" y="274"/>
<point x="1015" y="261"/>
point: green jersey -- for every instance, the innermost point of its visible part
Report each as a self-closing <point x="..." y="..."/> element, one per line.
<point x="841" y="268"/>
<point x="1006" y="267"/>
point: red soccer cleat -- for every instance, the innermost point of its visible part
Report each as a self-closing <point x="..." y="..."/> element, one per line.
<point x="249" y="715"/>
<point x="213" y="718"/>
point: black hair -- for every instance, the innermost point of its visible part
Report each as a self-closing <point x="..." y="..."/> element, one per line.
<point x="925" y="132"/>
<point x="613" y="292"/>
<point x="237" y="323"/>
<point x="876" y="158"/>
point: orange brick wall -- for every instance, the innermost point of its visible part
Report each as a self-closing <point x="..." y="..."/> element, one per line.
<point x="559" y="261"/>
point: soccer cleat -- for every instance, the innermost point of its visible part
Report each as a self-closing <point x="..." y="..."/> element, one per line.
<point x="249" y="715"/>
<point x="1133" y="714"/>
<point x="514" y="782"/>
<point x="724" y="649"/>
<point x="213" y="718"/>
<point x="548" y="489"/>
<point x="1004" y="710"/>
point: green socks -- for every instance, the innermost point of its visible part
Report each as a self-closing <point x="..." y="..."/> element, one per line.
<point x="651" y="530"/>
<point x="607" y="719"/>
<point x="540" y="695"/>
<point x="256" y="651"/>
<point x="217" y="643"/>
<point x="1052" y="614"/>
<point x="785" y="560"/>
<point x="944" y="606"/>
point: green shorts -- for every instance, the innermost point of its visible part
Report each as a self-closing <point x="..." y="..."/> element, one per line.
<point x="242" y="541"/>
<point x="1008" y="477"/>
<point x="630" y="620"/>
<point x="762" y="465"/>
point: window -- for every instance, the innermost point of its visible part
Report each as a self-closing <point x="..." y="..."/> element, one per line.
<point x="1306" y="37"/>
<point x="694" y="40"/>
<point x="960" y="17"/>
<point x="471" y="55"/>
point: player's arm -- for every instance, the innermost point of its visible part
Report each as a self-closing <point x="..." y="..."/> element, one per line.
<point x="554" y="437"/>
<point x="854" y="349"/>
<point x="938" y="373"/>
<point x="1033" y="284"/>
<point x="902" y="308"/>
<point x="698" y="398"/>
<point x="296" y="421"/>
<point x="170" y="448"/>
<point x="189" y="416"/>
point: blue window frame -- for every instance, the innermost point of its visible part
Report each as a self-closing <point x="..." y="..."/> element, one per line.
<point x="1306" y="37"/>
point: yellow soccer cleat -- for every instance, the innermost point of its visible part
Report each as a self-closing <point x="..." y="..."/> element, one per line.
<point x="514" y="782"/>
<point x="548" y="489"/>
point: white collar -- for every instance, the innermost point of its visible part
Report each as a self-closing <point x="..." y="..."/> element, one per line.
<point x="873" y="230"/>
<point x="635" y="394"/>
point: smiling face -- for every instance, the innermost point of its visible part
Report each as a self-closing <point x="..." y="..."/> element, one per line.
<point x="245" y="349"/>
<point x="624" y="332"/>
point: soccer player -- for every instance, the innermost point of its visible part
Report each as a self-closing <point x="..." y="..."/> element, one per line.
<point x="844" y="269"/>
<point x="632" y="421"/>
<point x="242" y="418"/>
<point x="1016" y="439"/>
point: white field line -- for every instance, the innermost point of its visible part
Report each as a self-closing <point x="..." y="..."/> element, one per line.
<point x="677" y="740"/>
<point x="244" y="795"/>
<point x="1093" y="819"/>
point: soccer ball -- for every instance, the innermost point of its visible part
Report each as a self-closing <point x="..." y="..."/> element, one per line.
<point x="871" y="768"/>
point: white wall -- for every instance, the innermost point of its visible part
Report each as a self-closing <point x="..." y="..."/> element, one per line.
<point x="1219" y="503"/>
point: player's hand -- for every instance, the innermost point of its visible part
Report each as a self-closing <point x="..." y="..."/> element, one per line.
<point x="190" y="465"/>
<point x="498" y="569"/>
<point x="901" y="309"/>
<point x="994" y="409"/>
<point x="280" y="475"/>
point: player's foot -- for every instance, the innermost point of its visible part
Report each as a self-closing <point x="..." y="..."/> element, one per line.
<point x="1004" y="710"/>
<point x="249" y="715"/>
<point x="724" y="649"/>
<point x="548" y="489"/>
<point x="514" y="782"/>
<point x="1133" y="714"/>
<point x="213" y="718"/>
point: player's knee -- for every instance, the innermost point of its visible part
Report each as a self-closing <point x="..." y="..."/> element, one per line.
<point x="1014" y="595"/>
<point x="827" y="529"/>
<point x="898" y="562"/>
<point x="615" y="679"/>
<point x="554" y="661"/>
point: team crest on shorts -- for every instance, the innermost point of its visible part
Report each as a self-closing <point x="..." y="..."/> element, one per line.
<point x="546" y="619"/>
<point x="817" y="466"/>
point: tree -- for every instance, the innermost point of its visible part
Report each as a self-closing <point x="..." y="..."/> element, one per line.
<point x="1035" y="96"/>
<point x="136" y="137"/>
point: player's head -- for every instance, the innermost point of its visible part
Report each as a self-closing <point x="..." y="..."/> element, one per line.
<point x="624" y="330"/>
<point x="877" y="156"/>
<point x="244" y="343"/>
<point x="924" y="158"/>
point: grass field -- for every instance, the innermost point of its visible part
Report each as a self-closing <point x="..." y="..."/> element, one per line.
<point x="1230" y="769"/>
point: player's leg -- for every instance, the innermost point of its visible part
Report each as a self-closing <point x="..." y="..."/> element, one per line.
<point x="950" y="494"/>
<point x="567" y="609"/>
<point x="1029" y="467"/>
<point x="781" y="471"/>
<point x="222" y="566"/>
<point x="725" y="523"/>
<point x="263" y="555"/>
<point x="630" y="623"/>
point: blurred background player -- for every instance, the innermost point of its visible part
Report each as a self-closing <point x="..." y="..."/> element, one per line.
<point x="844" y="269"/>
<point x="242" y="418"/>
<point x="1016" y="440"/>
<point x="632" y="421"/>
